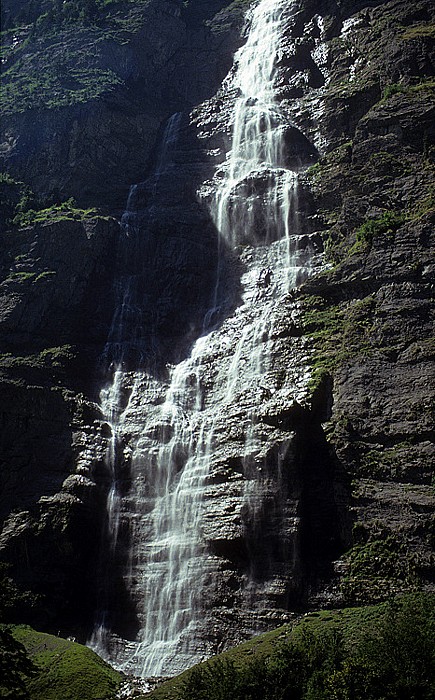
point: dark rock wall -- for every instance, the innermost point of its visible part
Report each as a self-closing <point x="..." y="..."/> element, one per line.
<point x="56" y="283"/>
<point x="161" y="59"/>
<point x="356" y="80"/>
<point x="371" y="314"/>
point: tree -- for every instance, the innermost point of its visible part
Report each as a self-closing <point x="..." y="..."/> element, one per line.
<point x="15" y="667"/>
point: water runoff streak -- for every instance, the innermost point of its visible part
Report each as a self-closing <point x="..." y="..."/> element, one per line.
<point x="255" y="209"/>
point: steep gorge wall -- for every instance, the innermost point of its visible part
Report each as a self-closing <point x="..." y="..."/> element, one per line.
<point x="360" y="442"/>
<point x="102" y="92"/>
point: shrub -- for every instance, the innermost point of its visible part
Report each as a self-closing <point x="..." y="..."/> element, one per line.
<point x="58" y="212"/>
<point x="377" y="569"/>
<point x="392" y="89"/>
<point x="387" y="225"/>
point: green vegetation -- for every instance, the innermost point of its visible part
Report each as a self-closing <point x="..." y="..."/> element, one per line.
<point x="28" y="85"/>
<point x="377" y="570"/>
<point x="50" y="15"/>
<point x="329" y="163"/>
<point x="423" y="85"/>
<point x="14" y="602"/>
<point x="49" y="357"/>
<point x="418" y="31"/>
<point x="14" y="197"/>
<point x="20" y="208"/>
<point x="383" y="652"/>
<point x="337" y="332"/>
<point x="389" y="462"/>
<point x="22" y="276"/>
<point x="392" y="89"/>
<point x="66" y="211"/>
<point x="57" y="54"/>
<point x="324" y="324"/>
<point x="50" y="668"/>
<point x="70" y="12"/>
<point x="385" y="225"/>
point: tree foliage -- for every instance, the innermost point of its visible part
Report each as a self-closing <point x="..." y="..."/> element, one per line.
<point x="15" y="667"/>
<point x="395" y="660"/>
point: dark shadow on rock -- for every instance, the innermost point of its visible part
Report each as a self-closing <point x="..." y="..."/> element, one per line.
<point x="296" y="522"/>
<point x="177" y="279"/>
<point x="324" y="498"/>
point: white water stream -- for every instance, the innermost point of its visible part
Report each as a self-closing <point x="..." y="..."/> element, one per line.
<point x="255" y="205"/>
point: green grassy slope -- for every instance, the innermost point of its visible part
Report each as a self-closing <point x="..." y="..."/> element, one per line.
<point x="62" y="670"/>
<point x="380" y="652"/>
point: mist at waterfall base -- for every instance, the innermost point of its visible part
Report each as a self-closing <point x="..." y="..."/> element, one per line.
<point x="166" y="429"/>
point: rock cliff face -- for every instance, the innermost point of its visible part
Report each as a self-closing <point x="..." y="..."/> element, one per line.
<point x="319" y="467"/>
<point x="50" y="274"/>
<point x="101" y="94"/>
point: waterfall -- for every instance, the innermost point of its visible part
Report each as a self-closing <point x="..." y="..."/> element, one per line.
<point x="173" y="426"/>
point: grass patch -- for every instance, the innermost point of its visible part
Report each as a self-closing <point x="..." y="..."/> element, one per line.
<point x="20" y="208"/>
<point x="418" y="31"/>
<point x="423" y="85"/>
<point x="14" y="197"/>
<point x="379" y="569"/>
<point x="337" y="332"/>
<point x="21" y="276"/>
<point x="65" y="670"/>
<point x="60" y="59"/>
<point x="27" y="87"/>
<point x="56" y="357"/>
<point x="260" y="647"/>
<point x="385" y="225"/>
<point x="392" y="89"/>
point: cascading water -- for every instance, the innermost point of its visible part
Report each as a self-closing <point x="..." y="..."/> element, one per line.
<point x="173" y="429"/>
<point x="256" y="205"/>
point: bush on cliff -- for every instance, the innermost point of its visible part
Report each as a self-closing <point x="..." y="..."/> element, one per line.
<point x="386" y="225"/>
<point x="57" y="212"/>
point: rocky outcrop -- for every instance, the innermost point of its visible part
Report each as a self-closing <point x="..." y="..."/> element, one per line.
<point x="55" y="278"/>
<point x="50" y="513"/>
<point x="370" y="316"/>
